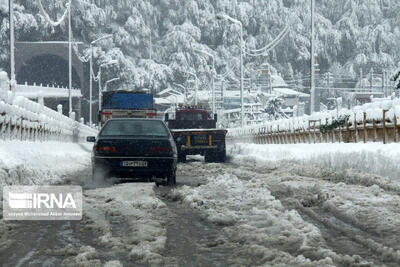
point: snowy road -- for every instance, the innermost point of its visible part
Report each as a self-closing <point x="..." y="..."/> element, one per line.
<point x="243" y="213"/>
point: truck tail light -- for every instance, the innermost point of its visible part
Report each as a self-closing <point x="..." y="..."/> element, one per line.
<point x="111" y="149"/>
<point x="151" y="115"/>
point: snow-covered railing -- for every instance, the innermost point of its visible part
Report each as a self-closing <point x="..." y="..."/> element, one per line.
<point x="39" y="91"/>
<point x="23" y="119"/>
<point x="372" y="122"/>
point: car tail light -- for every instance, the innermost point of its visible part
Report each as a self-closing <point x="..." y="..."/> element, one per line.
<point x="111" y="149"/>
<point x="161" y="150"/>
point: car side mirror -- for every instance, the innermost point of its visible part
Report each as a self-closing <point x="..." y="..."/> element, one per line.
<point x="91" y="139"/>
<point x="166" y="117"/>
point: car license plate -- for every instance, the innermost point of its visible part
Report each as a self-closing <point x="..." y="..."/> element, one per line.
<point x="137" y="163"/>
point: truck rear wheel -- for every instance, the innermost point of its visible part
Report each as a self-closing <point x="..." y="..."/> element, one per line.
<point x="209" y="157"/>
<point x="221" y="156"/>
<point x="215" y="156"/>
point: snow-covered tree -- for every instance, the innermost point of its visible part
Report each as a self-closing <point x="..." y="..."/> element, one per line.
<point x="274" y="108"/>
<point x="351" y="35"/>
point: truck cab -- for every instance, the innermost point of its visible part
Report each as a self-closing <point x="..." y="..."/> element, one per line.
<point x="192" y="118"/>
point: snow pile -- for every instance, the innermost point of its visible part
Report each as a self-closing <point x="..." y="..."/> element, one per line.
<point x="19" y="111"/>
<point x="34" y="163"/>
<point x="128" y="217"/>
<point x="374" y="158"/>
<point x="86" y="256"/>
<point x="28" y="163"/>
<point x="374" y="111"/>
<point x="252" y="217"/>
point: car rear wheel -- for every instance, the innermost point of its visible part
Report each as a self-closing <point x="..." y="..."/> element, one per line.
<point x="171" y="179"/>
<point x="181" y="157"/>
<point x="97" y="175"/>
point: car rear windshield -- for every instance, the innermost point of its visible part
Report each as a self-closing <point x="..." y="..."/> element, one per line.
<point x="134" y="128"/>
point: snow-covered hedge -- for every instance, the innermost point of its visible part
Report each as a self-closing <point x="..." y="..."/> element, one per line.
<point x="374" y="112"/>
<point x="21" y="118"/>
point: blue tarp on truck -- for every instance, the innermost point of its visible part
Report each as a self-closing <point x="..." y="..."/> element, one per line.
<point x="127" y="100"/>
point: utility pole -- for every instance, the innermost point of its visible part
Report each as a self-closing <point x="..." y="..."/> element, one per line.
<point x="212" y="76"/>
<point x="226" y="17"/>
<point x="312" y="100"/>
<point x="70" y="57"/>
<point x="361" y="79"/>
<point x="12" y="45"/>
<point x="100" y="89"/>
<point x="150" y="48"/>
<point x="112" y="62"/>
<point x="371" y="79"/>
<point x="90" y="84"/>
<point x="91" y="74"/>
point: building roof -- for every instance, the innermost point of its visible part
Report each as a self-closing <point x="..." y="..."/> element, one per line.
<point x="289" y="92"/>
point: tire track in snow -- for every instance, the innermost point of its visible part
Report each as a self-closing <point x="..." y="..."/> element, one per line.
<point x="384" y="254"/>
<point x="332" y="219"/>
<point x="350" y="177"/>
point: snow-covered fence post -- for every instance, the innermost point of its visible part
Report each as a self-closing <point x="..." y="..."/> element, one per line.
<point x="395" y="128"/>
<point x="319" y="131"/>
<point x="10" y="129"/>
<point x="294" y="135"/>
<point x="272" y="136"/>
<point x="4" y="127"/>
<point x="21" y="129"/>
<point x="374" y="130"/>
<point x="35" y="132"/>
<point x="314" y="133"/>
<point x="326" y="135"/>
<point x="365" y="127"/>
<point x="355" y="128"/>
<point x="278" y="136"/>
<point x="384" y="126"/>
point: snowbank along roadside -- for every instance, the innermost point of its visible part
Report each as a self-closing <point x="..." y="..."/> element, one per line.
<point x="371" y="158"/>
<point x="36" y="163"/>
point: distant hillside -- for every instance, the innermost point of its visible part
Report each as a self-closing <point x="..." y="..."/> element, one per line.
<point x="351" y="34"/>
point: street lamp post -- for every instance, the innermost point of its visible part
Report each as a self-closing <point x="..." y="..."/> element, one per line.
<point x="109" y="81"/>
<point x="91" y="75"/>
<point x="212" y="77"/>
<point x="184" y="90"/>
<point x="99" y="77"/>
<point x="12" y="58"/>
<point x="312" y="97"/>
<point x="196" y="87"/>
<point x="226" y="17"/>
<point x="69" y="58"/>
